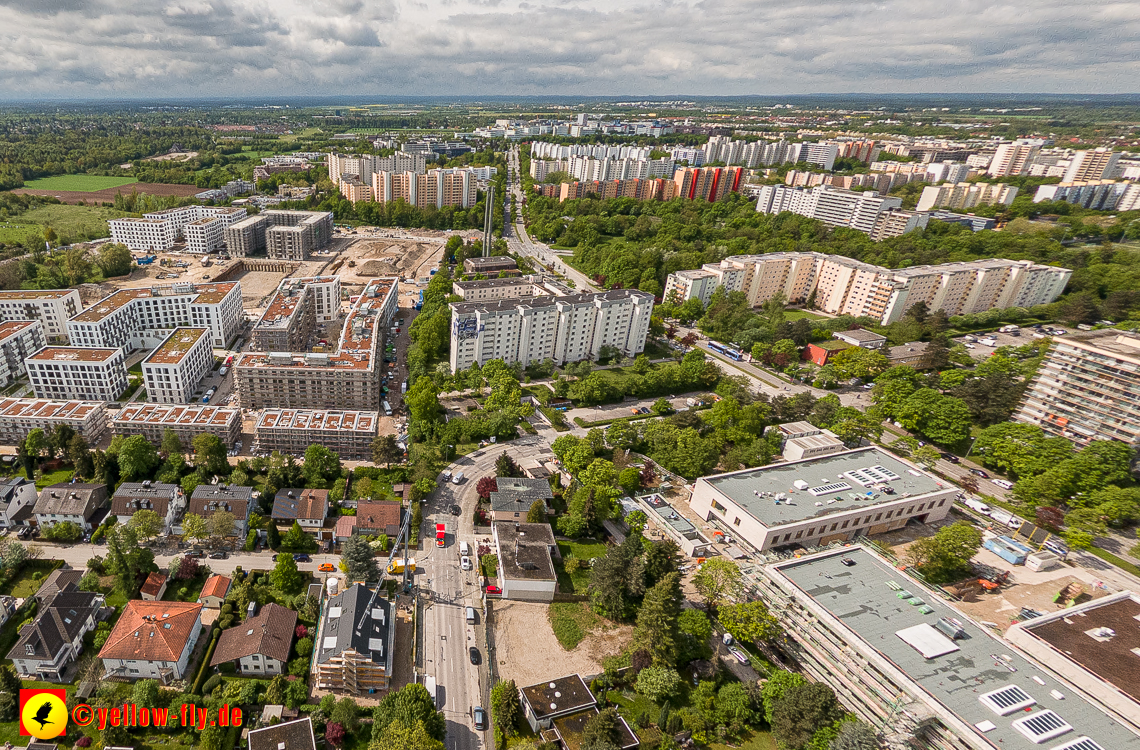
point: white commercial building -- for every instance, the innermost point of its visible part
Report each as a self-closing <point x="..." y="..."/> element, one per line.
<point x="965" y="195"/>
<point x="172" y="372"/>
<point x="51" y="307"/>
<point x="143" y="318"/>
<point x="565" y="329"/>
<point x="19" y="339"/>
<point x="160" y="230"/>
<point x="78" y="373"/>
<point x="817" y="501"/>
<point x="845" y="286"/>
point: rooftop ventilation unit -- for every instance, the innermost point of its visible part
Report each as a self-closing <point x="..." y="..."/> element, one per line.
<point x="1042" y="726"/>
<point x="1081" y="743"/>
<point x="1007" y="700"/>
<point x="827" y="489"/>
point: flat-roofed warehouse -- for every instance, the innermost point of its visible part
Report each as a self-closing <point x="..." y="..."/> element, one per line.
<point x="152" y="420"/>
<point x="821" y="500"/>
<point x="917" y="669"/>
<point x="348" y="433"/>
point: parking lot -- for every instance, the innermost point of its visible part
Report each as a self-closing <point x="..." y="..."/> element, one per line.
<point x="1023" y="336"/>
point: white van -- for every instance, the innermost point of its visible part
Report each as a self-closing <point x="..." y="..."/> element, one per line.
<point x="457" y="478"/>
<point x="464" y="549"/>
<point x="470" y="615"/>
<point x="1005" y="484"/>
<point x="978" y="505"/>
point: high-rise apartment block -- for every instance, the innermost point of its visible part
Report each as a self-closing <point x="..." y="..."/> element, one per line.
<point x="348" y="377"/>
<point x="1012" y="159"/>
<point x="711" y="184"/>
<point x="290" y="321"/>
<point x="172" y="372"/>
<point x="143" y="318"/>
<point x="966" y="195"/>
<point x="587" y="169"/>
<point x="363" y="166"/>
<point x="436" y="188"/>
<point x="642" y="190"/>
<point x="820" y="154"/>
<point x="1092" y="164"/>
<point x="283" y="235"/>
<point x="19" y="339"/>
<point x="51" y="307"/>
<point x="356" y="191"/>
<point x="1099" y="195"/>
<point x="160" y="230"/>
<point x="866" y="211"/>
<point x="1088" y="388"/>
<point x="75" y="373"/>
<point x="565" y="329"/>
<point x="844" y="286"/>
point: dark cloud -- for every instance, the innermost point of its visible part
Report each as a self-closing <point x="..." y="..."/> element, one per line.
<point x="195" y="47"/>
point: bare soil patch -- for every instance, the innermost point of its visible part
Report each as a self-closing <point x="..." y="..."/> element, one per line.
<point x="108" y="195"/>
<point x="528" y="652"/>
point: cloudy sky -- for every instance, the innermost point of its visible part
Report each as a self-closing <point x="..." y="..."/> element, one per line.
<point x="170" y="48"/>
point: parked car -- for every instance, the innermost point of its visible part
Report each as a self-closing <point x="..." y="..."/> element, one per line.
<point x="1005" y="484"/>
<point x="300" y="557"/>
<point x="327" y="568"/>
<point x="195" y="553"/>
<point x="740" y="655"/>
<point x="480" y="717"/>
<point x="980" y="473"/>
<point x="219" y="555"/>
<point x="465" y="563"/>
<point x="950" y="457"/>
<point x="455" y="510"/>
<point x="494" y="590"/>
<point x="476" y="657"/>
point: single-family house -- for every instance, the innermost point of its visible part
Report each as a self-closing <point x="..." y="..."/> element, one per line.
<point x="15" y="493"/>
<point x="154" y="587"/>
<point x="260" y="645"/>
<point x="209" y="499"/>
<point x="559" y="709"/>
<point x="288" y="735"/>
<point x="167" y="500"/>
<point x="63" y="502"/>
<point x="214" y="591"/>
<point x="821" y="352"/>
<point x="307" y="507"/>
<point x="526" y="569"/>
<point x="57" y="581"/>
<point x="49" y="646"/>
<point x="373" y="519"/>
<point x="152" y="640"/>
<point x="514" y="496"/>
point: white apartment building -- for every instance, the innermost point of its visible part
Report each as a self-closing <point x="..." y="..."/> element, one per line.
<point x="51" y="307"/>
<point x="74" y="373"/>
<point x="1099" y="195"/>
<point x="19" y="416"/>
<point x="363" y="166"/>
<point x="187" y="422"/>
<point x="1012" y="159"/>
<point x="820" y="154"/>
<point x="19" y="339"/>
<point x="540" y="168"/>
<point x="844" y="286"/>
<point x="142" y="318"/>
<point x="160" y="230"/>
<point x="1092" y="164"/>
<point x="839" y="207"/>
<point x="172" y="372"/>
<point x="436" y="187"/>
<point x="565" y="329"/>
<point x="205" y="235"/>
<point x="947" y="171"/>
<point x="965" y="195"/>
<point x="586" y="169"/>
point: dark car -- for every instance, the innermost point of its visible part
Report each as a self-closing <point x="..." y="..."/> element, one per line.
<point x="475" y="656"/>
<point x="456" y="510"/>
<point x="219" y="555"/>
<point x="979" y="473"/>
<point x="299" y="557"/>
<point x="480" y="717"/>
<point x="950" y="457"/>
<point x="195" y="553"/>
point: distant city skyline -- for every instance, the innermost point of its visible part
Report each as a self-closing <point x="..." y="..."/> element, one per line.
<point x="111" y="49"/>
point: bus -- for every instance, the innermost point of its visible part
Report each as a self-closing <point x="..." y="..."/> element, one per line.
<point x="727" y="351"/>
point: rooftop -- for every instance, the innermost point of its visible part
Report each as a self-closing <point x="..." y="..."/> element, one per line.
<point x="494" y="260"/>
<point x="11" y="328"/>
<point x="42" y="408"/>
<point x="341" y="629"/>
<point x="781" y="494"/>
<point x="292" y="504"/>
<point x="153" y="584"/>
<point x="517" y="495"/>
<point x="216" y="585"/>
<point x="317" y="419"/>
<point x="861" y="334"/>
<point x="524" y="550"/>
<point x="152" y="631"/>
<point x="173" y="415"/>
<point x="176" y="346"/>
<point x="269" y="633"/>
<point x="562" y="695"/>
<point x="73" y="354"/>
<point x="32" y="294"/>
<point x="1109" y="341"/>
<point x="955" y="677"/>
<point x="288" y="735"/>
<point x="503" y="305"/>
<point x="831" y="345"/>
<point x="202" y="294"/>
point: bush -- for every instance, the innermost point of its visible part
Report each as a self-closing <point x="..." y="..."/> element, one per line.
<point x="211" y="683"/>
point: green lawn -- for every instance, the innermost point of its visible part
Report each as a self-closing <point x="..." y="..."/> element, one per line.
<point x="85" y="183"/>
<point x="584" y="550"/>
<point x="571" y="621"/>
<point x="15" y="232"/>
<point x="54" y="477"/>
<point x="790" y="315"/>
<point x="757" y="741"/>
<point x="23" y="585"/>
<point x="71" y="223"/>
<point x="193" y="590"/>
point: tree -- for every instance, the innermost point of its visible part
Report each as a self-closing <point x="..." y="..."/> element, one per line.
<point x="34" y="443"/>
<point x="385" y="450"/>
<point x="411" y="704"/>
<point x="505" y="466"/>
<point x="485" y="486"/>
<point x="661" y="407"/>
<point x="778" y="684"/>
<point x="717" y="581"/>
<point x="945" y="557"/>
<point x="656" y="630"/>
<point x="63" y="531"/>
<point x="210" y="454"/>
<point x="537" y="512"/>
<point x="147" y="524"/>
<point x="12" y="555"/>
<point x="927" y="456"/>
<point x="285" y="576"/>
<point x="171" y="443"/>
<point x="661" y="558"/>
<point x="658" y="683"/>
<point x="422" y="400"/>
<point x="137" y="458"/>
<point x="335" y="733"/>
<point x="601" y="731"/>
<point x="857" y="362"/>
<point x="114" y="259"/>
<point x="855" y="735"/>
<point x="194" y="527"/>
<point x="749" y="622"/>
<point x="272" y="536"/>
<point x="322" y="466"/>
<point x="944" y="419"/>
<point x="359" y="559"/>
<point x="629" y="479"/>
<point x="222" y="524"/>
<point x="296" y="540"/>
<point x="399" y="735"/>
<point x="696" y="630"/>
<point x="622" y="434"/>
<point x="145" y="693"/>
<point x="505" y="707"/>
<point x="802" y="711"/>
<point x="346" y="714"/>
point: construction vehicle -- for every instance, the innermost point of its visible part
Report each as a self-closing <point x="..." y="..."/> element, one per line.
<point x="352" y="264"/>
<point x="398" y="565"/>
<point x="146" y="260"/>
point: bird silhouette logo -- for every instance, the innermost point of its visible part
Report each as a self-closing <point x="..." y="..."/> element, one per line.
<point x="43" y="713"/>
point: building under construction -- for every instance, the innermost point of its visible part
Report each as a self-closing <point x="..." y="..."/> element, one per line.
<point x="919" y="671"/>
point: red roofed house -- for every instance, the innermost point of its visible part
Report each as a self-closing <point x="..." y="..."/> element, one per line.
<point x="154" y="587"/>
<point x="371" y="519"/>
<point x="823" y="351"/>
<point x="152" y="640"/>
<point x="214" y="592"/>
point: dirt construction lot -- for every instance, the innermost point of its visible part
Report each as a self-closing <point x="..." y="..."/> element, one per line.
<point x="407" y="258"/>
<point x="527" y="651"/>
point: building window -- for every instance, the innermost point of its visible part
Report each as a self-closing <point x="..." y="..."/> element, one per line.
<point x="845" y="523"/>
<point x="717" y="507"/>
<point x="736" y="522"/>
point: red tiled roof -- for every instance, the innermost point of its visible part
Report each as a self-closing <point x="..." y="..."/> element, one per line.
<point x="217" y="585"/>
<point x="154" y="583"/>
<point x="152" y="631"/>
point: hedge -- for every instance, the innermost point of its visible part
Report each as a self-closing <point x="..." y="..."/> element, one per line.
<point x="197" y="689"/>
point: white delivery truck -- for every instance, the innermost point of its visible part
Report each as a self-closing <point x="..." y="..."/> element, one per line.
<point x="977" y="505"/>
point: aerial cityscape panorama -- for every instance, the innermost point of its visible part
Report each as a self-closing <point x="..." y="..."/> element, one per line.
<point x="595" y="376"/>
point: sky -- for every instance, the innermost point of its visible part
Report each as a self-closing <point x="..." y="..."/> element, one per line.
<point x="186" y="48"/>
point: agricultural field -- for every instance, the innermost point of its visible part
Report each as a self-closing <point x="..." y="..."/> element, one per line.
<point x="82" y="183"/>
<point x="72" y="223"/>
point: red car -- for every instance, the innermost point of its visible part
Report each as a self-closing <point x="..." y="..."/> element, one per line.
<point x="494" y="590"/>
<point x="440" y="534"/>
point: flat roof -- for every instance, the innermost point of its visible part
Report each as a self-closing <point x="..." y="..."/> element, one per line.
<point x="13" y="327"/>
<point x="367" y="422"/>
<point x="525" y="553"/>
<point x="834" y="484"/>
<point x="42" y="408"/>
<point x="863" y="597"/>
<point x="176" y="415"/>
<point x="203" y="294"/>
<point x="559" y="695"/>
<point x="1077" y="635"/>
<point x="35" y="293"/>
<point x="73" y="354"/>
<point x="548" y="300"/>
<point x="176" y="346"/>
<point x="1107" y="341"/>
